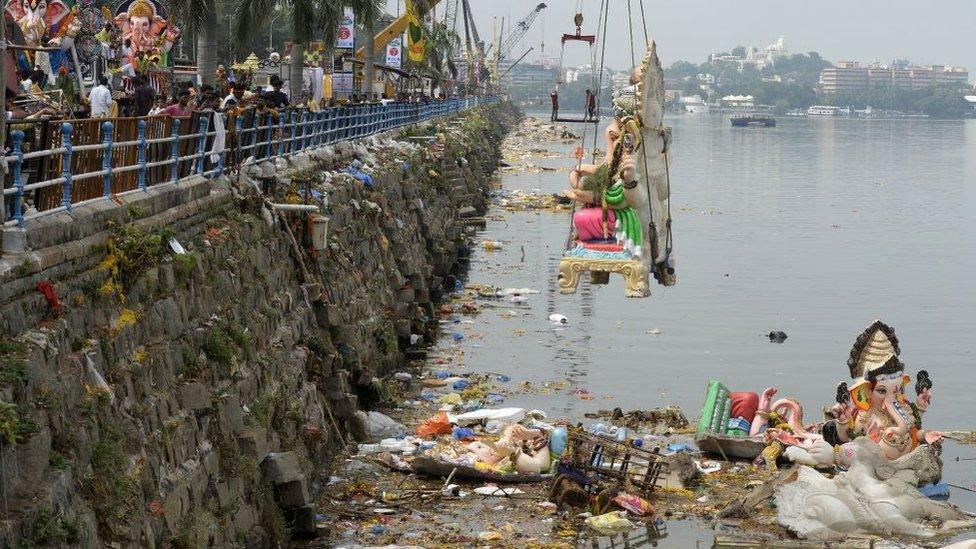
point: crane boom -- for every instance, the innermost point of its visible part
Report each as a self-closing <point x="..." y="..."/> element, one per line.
<point x="450" y="15"/>
<point x="518" y="31"/>
<point x="394" y="29"/>
<point x="478" y="43"/>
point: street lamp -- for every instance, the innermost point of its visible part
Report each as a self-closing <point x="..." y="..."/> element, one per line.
<point x="271" y="32"/>
<point x="230" y="36"/>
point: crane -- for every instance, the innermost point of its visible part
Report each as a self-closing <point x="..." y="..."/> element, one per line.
<point x="514" y="36"/>
<point x="474" y="47"/>
<point x="518" y="31"/>
<point x="450" y="15"/>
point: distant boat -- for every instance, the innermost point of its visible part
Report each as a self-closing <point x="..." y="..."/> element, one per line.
<point x="823" y="110"/>
<point x="755" y="119"/>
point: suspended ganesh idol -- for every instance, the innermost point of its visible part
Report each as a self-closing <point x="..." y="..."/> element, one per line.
<point x="623" y="224"/>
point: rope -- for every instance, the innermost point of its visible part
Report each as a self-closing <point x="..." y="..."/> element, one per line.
<point x="630" y="27"/>
<point x="601" y="20"/>
<point x="604" y="16"/>
<point x="644" y="21"/>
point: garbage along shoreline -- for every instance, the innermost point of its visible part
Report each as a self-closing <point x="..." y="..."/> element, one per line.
<point x="447" y="463"/>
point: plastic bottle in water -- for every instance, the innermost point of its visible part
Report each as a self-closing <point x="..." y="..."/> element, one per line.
<point x="621" y="434"/>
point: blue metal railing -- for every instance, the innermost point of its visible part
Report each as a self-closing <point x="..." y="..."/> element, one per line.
<point x="265" y="137"/>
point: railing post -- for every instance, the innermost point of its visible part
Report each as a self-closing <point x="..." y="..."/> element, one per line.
<point x="294" y="131"/>
<point x="66" y="130"/>
<point x="175" y="154"/>
<point x="141" y="155"/>
<point x="305" y="131"/>
<point x="281" y="134"/>
<point x="255" y="136"/>
<point x="239" y="136"/>
<point x="319" y="127"/>
<point x="202" y="147"/>
<point x="269" y="131"/>
<point x="107" y="159"/>
<point x="331" y="123"/>
<point x="17" y="138"/>
<point x="222" y="154"/>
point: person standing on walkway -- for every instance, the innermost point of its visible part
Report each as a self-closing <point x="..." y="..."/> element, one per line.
<point x="591" y="105"/>
<point x="100" y="99"/>
<point x="554" y="96"/>
<point x="144" y="96"/>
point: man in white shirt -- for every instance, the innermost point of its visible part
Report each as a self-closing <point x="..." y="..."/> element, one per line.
<point x="100" y="99"/>
<point x="234" y="97"/>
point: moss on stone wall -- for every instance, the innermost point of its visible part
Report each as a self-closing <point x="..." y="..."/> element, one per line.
<point x="168" y="381"/>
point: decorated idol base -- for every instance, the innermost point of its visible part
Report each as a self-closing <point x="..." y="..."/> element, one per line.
<point x="571" y="269"/>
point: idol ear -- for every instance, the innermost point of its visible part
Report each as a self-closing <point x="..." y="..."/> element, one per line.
<point x="16" y="9"/>
<point x="157" y="26"/>
<point x="861" y="394"/>
<point x="56" y="11"/>
<point x="905" y="379"/>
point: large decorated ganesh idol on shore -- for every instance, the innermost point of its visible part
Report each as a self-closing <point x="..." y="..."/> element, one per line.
<point x="874" y="403"/>
<point x="623" y="223"/>
<point x="872" y="408"/>
<point x="40" y="19"/>
<point x="142" y="23"/>
<point x="887" y="454"/>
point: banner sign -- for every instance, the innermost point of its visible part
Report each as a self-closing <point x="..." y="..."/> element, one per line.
<point x="345" y="37"/>
<point x="342" y="82"/>
<point x="394" y="54"/>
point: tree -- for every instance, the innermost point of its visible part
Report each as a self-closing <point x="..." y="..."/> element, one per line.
<point x="679" y="70"/>
<point x="201" y="17"/>
<point x="739" y="51"/>
<point x="440" y="43"/>
<point x="367" y="12"/>
<point x="309" y="19"/>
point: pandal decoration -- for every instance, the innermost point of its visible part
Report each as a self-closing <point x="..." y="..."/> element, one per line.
<point x="640" y="241"/>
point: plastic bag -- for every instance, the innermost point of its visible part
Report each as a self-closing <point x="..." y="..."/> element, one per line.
<point x="635" y="505"/>
<point x="614" y="522"/>
<point x="436" y="425"/>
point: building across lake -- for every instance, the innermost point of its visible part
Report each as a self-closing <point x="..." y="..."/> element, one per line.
<point x="849" y="76"/>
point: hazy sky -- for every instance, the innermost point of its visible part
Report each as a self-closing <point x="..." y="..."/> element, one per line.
<point x="933" y="32"/>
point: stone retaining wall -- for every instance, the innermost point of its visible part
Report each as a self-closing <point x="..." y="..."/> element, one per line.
<point x="196" y="399"/>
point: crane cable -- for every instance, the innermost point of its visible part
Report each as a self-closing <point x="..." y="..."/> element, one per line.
<point x="601" y="20"/>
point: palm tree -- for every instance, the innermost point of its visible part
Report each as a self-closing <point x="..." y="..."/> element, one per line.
<point x="440" y="45"/>
<point x="201" y="17"/>
<point x="309" y="19"/>
<point x="367" y="12"/>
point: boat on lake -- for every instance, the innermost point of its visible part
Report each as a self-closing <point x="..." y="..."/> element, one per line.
<point x="754" y="119"/>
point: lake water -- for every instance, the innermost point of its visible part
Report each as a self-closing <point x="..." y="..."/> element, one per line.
<point x="815" y="227"/>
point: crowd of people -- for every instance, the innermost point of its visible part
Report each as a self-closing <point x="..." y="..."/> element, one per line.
<point x="119" y="95"/>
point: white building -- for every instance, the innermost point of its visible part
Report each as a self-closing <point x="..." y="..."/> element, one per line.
<point x="738" y="102"/>
<point x="759" y="59"/>
<point x="620" y="81"/>
<point x="694" y="104"/>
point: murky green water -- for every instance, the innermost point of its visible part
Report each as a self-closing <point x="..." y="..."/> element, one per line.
<point x="815" y="227"/>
